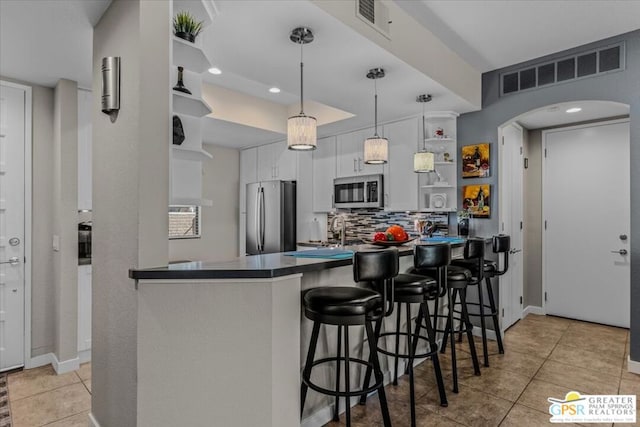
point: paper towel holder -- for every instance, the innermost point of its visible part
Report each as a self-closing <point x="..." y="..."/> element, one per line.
<point x="111" y="86"/>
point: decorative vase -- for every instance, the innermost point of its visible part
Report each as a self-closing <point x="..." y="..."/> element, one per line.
<point x="178" y="131"/>
<point x="463" y="227"/>
<point x="180" y="85"/>
<point x="186" y="36"/>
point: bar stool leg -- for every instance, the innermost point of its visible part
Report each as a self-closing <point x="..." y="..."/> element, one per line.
<point x="448" y="329"/>
<point x="347" y="403"/>
<point x="431" y="333"/>
<point x="483" y="326"/>
<point x="412" y="395"/>
<point x="449" y="324"/>
<point x="494" y="311"/>
<point x="371" y="338"/>
<point x="367" y="375"/>
<point x="308" y="364"/>
<point x="395" y="359"/>
<point x="465" y="319"/>
<point x="336" y="409"/>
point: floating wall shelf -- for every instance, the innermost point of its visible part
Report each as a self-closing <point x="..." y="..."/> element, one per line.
<point x="189" y="56"/>
<point x="190" y="105"/>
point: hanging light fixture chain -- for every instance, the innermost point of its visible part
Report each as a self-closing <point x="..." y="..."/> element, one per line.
<point x="375" y="89"/>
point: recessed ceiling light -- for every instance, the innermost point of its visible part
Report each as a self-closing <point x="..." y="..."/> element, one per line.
<point x="215" y="70"/>
<point x="574" y="110"/>
<point x="274" y="90"/>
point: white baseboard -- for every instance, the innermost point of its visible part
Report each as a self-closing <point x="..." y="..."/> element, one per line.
<point x="633" y="366"/>
<point x="65" y="366"/>
<point x="37" y="361"/>
<point x="532" y="309"/>
<point x="84" y="356"/>
<point x="92" y="421"/>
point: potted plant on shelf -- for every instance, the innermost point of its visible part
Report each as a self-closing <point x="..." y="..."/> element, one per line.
<point x="186" y="27"/>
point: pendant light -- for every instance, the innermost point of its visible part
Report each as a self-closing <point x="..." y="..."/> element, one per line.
<point x="423" y="161"/>
<point x="301" y="129"/>
<point x="376" y="149"/>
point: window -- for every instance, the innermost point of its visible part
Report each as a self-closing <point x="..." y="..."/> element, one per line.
<point x="184" y="222"/>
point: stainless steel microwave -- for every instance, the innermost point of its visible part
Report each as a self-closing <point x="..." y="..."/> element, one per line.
<point x="364" y="191"/>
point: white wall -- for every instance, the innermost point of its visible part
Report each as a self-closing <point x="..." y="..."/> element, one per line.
<point x="130" y="194"/>
<point x="219" y="238"/>
<point x="65" y="218"/>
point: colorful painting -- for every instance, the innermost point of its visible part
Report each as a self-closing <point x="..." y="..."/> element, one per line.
<point x="477" y="200"/>
<point x="476" y="161"/>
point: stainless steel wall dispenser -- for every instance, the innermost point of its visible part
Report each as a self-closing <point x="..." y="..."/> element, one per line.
<point x="111" y="86"/>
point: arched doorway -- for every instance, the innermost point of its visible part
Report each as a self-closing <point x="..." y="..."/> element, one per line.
<point x="545" y="282"/>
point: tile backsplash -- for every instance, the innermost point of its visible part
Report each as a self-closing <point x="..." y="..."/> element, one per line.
<point x="361" y="223"/>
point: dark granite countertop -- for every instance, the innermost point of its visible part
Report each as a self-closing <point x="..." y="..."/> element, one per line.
<point x="252" y="266"/>
<point x="255" y="266"/>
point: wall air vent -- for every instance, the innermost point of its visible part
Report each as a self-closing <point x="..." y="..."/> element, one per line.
<point x="578" y="66"/>
<point x="376" y="14"/>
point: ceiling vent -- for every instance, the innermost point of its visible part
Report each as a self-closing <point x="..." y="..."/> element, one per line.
<point x="376" y="14"/>
<point x="585" y="64"/>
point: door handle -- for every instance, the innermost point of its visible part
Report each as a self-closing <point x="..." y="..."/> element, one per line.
<point x="515" y="251"/>
<point x="354" y="165"/>
<point x="359" y="164"/>
<point x="621" y="252"/>
<point x="257" y="220"/>
<point x="12" y="261"/>
<point x="262" y="219"/>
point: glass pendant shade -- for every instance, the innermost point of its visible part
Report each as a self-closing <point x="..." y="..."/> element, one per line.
<point x="376" y="150"/>
<point x="301" y="133"/>
<point x="423" y="161"/>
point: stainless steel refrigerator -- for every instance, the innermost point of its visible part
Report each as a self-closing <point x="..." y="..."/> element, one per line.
<point x="271" y="217"/>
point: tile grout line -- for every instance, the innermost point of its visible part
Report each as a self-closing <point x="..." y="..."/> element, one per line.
<point x="532" y="378"/>
<point x="47" y="391"/>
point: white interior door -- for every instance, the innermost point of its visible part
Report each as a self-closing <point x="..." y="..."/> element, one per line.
<point x="511" y="222"/>
<point x="12" y="226"/>
<point x="586" y="207"/>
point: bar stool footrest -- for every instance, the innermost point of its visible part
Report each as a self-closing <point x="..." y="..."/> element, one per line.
<point x="351" y="393"/>
<point x="430" y="353"/>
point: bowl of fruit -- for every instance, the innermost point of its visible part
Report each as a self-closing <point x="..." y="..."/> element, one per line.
<point x="392" y="236"/>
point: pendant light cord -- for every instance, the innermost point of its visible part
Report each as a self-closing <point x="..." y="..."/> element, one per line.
<point x="424" y="131"/>
<point x="375" y="89"/>
<point x="301" y="81"/>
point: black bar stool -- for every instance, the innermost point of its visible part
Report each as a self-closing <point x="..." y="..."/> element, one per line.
<point x="455" y="282"/>
<point x="345" y="306"/>
<point x="501" y="244"/>
<point x="416" y="289"/>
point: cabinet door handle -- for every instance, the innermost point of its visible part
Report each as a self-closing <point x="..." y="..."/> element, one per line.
<point x="355" y="168"/>
<point x="359" y="164"/>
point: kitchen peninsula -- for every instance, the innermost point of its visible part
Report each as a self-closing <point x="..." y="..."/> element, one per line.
<point x="223" y="343"/>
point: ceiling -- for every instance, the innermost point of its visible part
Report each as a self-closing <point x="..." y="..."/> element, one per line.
<point x="43" y="41"/>
<point x="556" y="114"/>
<point x="492" y="34"/>
<point x="487" y="34"/>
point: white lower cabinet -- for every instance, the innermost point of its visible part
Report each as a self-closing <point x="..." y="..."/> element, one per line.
<point x="84" y="307"/>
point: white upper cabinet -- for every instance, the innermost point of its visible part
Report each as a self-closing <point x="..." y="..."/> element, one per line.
<point x="400" y="181"/>
<point x="248" y="173"/>
<point x="276" y="161"/>
<point x="350" y="154"/>
<point x="324" y="171"/>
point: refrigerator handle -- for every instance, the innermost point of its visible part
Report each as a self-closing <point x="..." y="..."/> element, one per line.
<point x="262" y="219"/>
<point x="257" y="220"/>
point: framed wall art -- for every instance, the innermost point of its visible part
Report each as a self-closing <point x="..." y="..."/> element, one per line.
<point x="476" y="199"/>
<point x="476" y="162"/>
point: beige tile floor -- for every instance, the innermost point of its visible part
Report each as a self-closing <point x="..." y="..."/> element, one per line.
<point x="545" y="357"/>
<point x="39" y="397"/>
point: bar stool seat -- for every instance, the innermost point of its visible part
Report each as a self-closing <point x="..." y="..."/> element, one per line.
<point x="408" y="284"/>
<point x="340" y="301"/>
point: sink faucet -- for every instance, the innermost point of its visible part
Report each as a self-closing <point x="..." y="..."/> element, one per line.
<point x="332" y="227"/>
